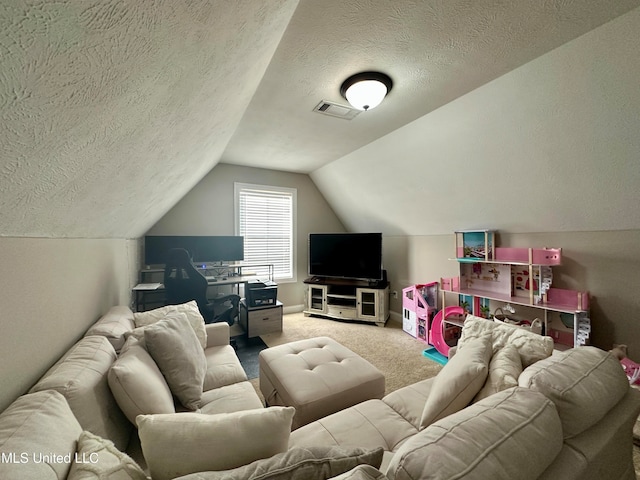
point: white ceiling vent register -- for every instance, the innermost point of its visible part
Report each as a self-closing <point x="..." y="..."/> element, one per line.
<point x="336" y="110"/>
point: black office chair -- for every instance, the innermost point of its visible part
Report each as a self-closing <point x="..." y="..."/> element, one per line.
<point x="184" y="283"/>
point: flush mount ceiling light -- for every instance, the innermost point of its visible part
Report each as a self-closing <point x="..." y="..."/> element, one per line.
<point x="366" y="90"/>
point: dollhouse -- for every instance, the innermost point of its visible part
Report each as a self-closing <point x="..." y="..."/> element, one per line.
<point x="496" y="279"/>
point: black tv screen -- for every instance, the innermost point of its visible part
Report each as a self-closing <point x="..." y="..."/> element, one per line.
<point x="346" y="255"/>
<point x="203" y="249"/>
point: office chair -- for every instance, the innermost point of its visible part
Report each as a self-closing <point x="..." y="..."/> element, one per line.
<point x="183" y="283"/>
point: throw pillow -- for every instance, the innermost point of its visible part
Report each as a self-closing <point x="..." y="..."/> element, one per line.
<point x="137" y="383"/>
<point x="190" y="309"/>
<point x="458" y="382"/>
<point x="299" y="463"/>
<point x="184" y="443"/>
<point x="362" y="472"/>
<point x="98" y="458"/>
<point x="174" y="347"/>
<point x="504" y="369"/>
<point x="531" y="346"/>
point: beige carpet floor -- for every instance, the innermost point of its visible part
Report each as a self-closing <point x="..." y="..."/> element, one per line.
<point x="396" y="354"/>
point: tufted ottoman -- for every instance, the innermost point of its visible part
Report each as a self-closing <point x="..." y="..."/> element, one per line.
<point x="317" y="376"/>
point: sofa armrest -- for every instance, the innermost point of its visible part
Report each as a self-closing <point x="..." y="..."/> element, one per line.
<point x="217" y="334"/>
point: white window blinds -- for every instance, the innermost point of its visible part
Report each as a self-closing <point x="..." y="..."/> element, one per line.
<point x="265" y="218"/>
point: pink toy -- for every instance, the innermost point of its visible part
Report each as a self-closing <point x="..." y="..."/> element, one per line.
<point x="632" y="370"/>
<point x="437" y="328"/>
<point x="418" y="307"/>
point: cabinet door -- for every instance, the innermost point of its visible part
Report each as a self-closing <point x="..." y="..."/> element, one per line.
<point x="317" y="298"/>
<point x="368" y="303"/>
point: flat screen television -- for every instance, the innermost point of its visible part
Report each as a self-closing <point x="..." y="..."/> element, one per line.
<point x="346" y="255"/>
<point x="203" y="249"/>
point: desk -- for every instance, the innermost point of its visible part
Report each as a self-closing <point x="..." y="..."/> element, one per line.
<point x="151" y="295"/>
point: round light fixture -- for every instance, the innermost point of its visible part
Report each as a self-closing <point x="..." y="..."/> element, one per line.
<point x="366" y="90"/>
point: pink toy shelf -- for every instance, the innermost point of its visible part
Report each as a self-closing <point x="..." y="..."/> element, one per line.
<point x="529" y="256"/>
<point x="419" y="305"/>
<point x="516" y="277"/>
<point x="492" y="278"/>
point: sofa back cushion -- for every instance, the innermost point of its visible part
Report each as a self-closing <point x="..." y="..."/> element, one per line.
<point x="531" y="346"/>
<point x="137" y="383"/>
<point x="584" y="383"/>
<point x="515" y="433"/>
<point x="81" y="377"/>
<point x="300" y="463"/>
<point x="114" y="325"/>
<point x="38" y="435"/>
<point x="458" y="382"/>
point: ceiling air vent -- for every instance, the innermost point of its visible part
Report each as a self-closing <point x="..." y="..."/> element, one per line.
<point x="336" y="110"/>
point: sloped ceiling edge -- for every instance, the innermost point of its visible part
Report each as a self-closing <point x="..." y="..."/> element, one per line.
<point x="112" y="111"/>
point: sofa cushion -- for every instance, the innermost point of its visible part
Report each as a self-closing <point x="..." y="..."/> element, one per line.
<point x="97" y="458"/>
<point x="137" y="383"/>
<point x="312" y="463"/>
<point x="230" y="398"/>
<point x="183" y="443"/>
<point x="223" y="367"/>
<point x="114" y="325"/>
<point x="504" y="369"/>
<point x="515" y="433"/>
<point x="369" y="425"/>
<point x="174" y="347"/>
<point x="81" y="377"/>
<point x="409" y="401"/>
<point x="38" y="435"/>
<point x="190" y="309"/>
<point x="458" y="382"/>
<point x="584" y="383"/>
<point x="531" y="346"/>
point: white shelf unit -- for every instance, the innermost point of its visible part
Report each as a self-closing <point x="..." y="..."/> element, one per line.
<point x="347" y="300"/>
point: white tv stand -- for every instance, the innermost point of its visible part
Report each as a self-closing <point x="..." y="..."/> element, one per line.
<point x="346" y="299"/>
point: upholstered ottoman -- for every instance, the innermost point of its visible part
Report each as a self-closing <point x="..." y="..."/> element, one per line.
<point x="317" y="376"/>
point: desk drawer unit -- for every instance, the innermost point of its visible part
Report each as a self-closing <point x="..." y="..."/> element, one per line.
<point x="262" y="320"/>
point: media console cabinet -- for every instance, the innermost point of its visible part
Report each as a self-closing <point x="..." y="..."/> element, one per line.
<point x="345" y="299"/>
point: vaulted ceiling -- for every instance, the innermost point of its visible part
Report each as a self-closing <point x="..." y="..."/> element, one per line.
<point x="112" y="111"/>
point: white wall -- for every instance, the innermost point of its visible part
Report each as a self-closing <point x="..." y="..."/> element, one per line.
<point x="208" y="210"/>
<point x="552" y="146"/>
<point x="51" y="291"/>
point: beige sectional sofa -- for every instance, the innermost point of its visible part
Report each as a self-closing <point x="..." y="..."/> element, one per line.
<point x="567" y="415"/>
<point x="101" y="384"/>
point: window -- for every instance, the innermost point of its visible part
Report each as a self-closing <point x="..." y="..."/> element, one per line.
<point x="264" y="217"/>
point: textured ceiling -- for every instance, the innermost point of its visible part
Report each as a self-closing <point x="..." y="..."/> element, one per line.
<point x="111" y="111"/>
<point x="434" y="50"/>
